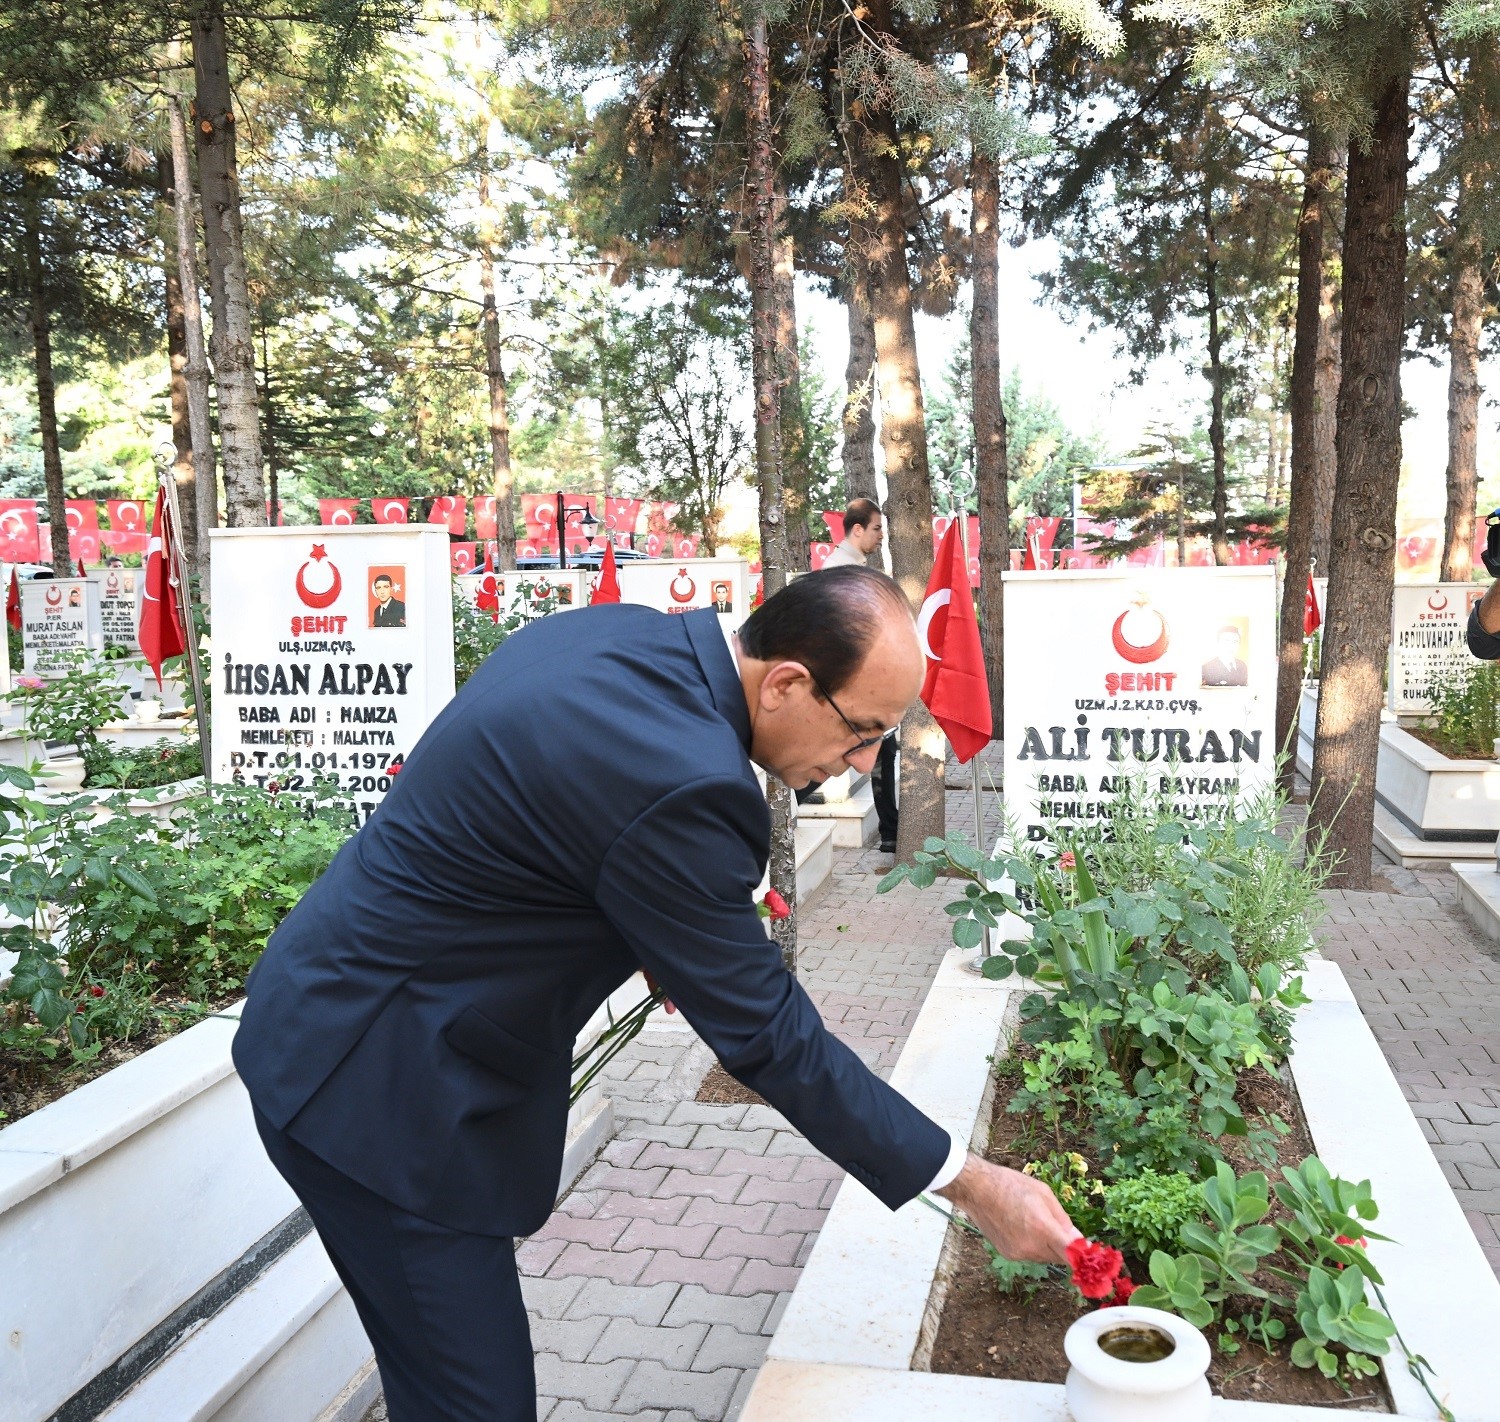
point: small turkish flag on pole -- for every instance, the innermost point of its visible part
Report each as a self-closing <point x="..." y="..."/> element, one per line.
<point x="608" y="587"/>
<point x="161" y="632"/>
<point x="956" y="690"/>
<point x="13" y="602"/>
<point x="1312" y="614"/>
<point x="488" y="599"/>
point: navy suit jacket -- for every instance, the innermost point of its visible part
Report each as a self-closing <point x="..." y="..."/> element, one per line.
<point x="412" y="1020"/>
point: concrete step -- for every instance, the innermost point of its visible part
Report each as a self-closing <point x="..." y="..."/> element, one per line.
<point x="1396" y="841"/>
<point x="854" y="821"/>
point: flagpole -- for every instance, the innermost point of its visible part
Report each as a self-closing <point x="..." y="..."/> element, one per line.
<point x="963" y="538"/>
<point x="190" y="628"/>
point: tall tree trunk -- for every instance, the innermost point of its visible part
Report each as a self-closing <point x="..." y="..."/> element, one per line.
<point x="501" y="480"/>
<point x="795" y="476"/>
<point x="903" y="444"/>
<point x="1220" y="536"/>
<point x="32" y="183"/>
<point x="1297" y="554"/>
<point x="195" y="364"/>
<point x="183" y="470"/>
<point x="859" y="385"/>
<point x="760" y="180"/>
<point x="990" y="472"/>
<point x="1463" y="401"/>
<point x="1361" y="574"/>
<point x="270" y="451"/>
<point x="228" y="282"/>
<point x="1330" y="366"/>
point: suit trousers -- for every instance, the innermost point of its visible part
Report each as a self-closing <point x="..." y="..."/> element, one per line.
<point x="442" y="1308"/>
<point x="883" y="789"/>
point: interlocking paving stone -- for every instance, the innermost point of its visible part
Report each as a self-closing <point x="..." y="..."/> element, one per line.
<point x="705" y="1395"/>
<point x="673" y="1347"/>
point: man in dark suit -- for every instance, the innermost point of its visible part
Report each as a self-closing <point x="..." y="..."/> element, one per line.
<point x="390" y="611"/>
<point x="407" y="1039"/>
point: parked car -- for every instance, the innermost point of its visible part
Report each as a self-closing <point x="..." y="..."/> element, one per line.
<point x="592" y="559"/>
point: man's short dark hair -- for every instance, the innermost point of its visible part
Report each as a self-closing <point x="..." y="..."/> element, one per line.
<point x="382" y="578"/>
<point x="859" y="513"/>
<point x="826" y="621"/>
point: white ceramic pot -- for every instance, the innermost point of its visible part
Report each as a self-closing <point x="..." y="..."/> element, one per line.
<point x="62" y="774"/>
<point x="149" y="710"/>
<point x="1105" y="1388"/>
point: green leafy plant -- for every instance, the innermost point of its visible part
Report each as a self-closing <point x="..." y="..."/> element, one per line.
<point x="475" y="635"/>
<point x="1011" y="1276"/>
<point x="1465" y="698"/>
<point x="1079" y="1193"/>
<point x="69" y="707"/>
<point x="161" y="763"/>
<point x="1147" y="1211"/>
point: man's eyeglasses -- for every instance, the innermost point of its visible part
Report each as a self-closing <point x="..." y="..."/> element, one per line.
<point x="864" y="742"/>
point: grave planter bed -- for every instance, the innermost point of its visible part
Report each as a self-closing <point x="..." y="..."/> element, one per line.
<point x="859" y="1336"/>
<point x="156" y="1265"/>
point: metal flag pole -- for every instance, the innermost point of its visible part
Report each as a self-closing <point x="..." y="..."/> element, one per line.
<point x="979" y="844"/>
<point x="185" y="607"/>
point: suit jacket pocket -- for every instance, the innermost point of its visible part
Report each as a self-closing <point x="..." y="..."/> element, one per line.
<point x="489" y="1044"/>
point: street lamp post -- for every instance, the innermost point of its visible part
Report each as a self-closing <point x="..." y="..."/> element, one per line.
<point x="588" y="523"/>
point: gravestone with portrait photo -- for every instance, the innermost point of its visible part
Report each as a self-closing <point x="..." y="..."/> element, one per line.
<point x="686" y="585"/>
<point x="1158" y="678"/>
<point x="332" y="653"/>
<point x="120" y="605"/>
<point x="532" y="593"/>
<point x="59" y="617"/>
<point x="1429" y="625"/>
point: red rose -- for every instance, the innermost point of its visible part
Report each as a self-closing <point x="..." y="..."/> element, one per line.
<point x="96" y="991"/>
<point x="1096" y="1267"/>
<point x="776" y="906"/>
<point x="1123" y="1290"/>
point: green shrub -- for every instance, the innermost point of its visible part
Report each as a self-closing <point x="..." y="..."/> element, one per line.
<point x="1466" y="708"/>
<point x="1147" y="1211"/>
<point x="161" y="763"/>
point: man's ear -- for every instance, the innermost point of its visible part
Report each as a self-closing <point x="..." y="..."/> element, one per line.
<point x="777" y="684"/>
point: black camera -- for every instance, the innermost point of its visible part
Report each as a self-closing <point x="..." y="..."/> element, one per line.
<point x="1491" y="554"/>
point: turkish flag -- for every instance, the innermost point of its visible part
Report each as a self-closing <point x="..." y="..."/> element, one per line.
<point x="488" y="598"/>
<point x="461" y="556"/>
<point x="389" y="510"/>
<point x="485" y="522"/>
<point x="161" y="634"/>
<point x="337" y="513"/>
<point x="1312" y="614"/>
<point x="448" y="510"/>
<point x="955" y="690"/>
<point x="127" y="525"/>
<point x="835" y="523"/>
<point x="13" y="602"/>
<point x="607" y="589"/>
<point x="19" y="537"/>
<point x="84" y="544"/>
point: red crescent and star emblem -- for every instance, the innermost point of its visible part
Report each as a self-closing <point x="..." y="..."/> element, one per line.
<point x="330" y="594"/>
<point x="1144" y="619"/>
<point x="1438" y="602"/>
<point x="54" y="596"/>
<point x="687" y="593"/>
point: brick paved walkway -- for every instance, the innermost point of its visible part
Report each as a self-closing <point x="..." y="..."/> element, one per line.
<point x="1429" y="986"/>
<point x="655" y="1288"/>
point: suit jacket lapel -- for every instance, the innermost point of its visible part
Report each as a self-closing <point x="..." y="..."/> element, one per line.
<point x="719" y="670"/>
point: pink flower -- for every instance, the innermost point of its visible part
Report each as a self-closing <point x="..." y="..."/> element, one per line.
<point x="1067" y="862"/>
<point x="775" y="906"/>
<point x="1096" y="1267"/>
<point x="30" y="683"/>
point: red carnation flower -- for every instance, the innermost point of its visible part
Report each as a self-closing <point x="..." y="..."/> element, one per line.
<point x="1096" y="1267"/>
<point x="1123" y="1290"/>
<point x="394" y="769"/>
<point x="96" y="991"/>
<point x="776" y="906"/>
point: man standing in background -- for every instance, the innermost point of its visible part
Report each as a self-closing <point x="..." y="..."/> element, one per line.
<point x="864" y="532"/>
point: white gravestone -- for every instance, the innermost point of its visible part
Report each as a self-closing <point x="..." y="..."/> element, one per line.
<point x="531" y="594"/>
<point x="332" y="653"/>
<point x="59" y="616"/>
<point x="120" y="605"/>
<point x="1109" y="675"/>
<point x="1428" y="626"/>
<point x="685" y="585"/>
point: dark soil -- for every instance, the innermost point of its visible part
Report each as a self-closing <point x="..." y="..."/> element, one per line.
<point x="721" y="1089"/>
<point x="1434" y="741"/>
<point x="986" y="1333"/>
<point x="28" y="1084"/>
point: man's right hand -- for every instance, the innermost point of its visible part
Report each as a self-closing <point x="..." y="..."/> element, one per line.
<point x="1020" y="1216"/>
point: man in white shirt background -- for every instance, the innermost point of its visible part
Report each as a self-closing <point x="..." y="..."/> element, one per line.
<point x="864" y="532"/>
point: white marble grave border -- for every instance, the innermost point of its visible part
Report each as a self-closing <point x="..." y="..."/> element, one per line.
<point x="860" y="1324"/>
